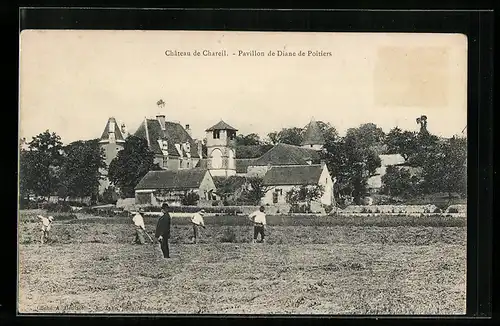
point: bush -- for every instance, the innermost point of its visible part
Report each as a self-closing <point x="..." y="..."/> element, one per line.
<point x="191" y="198"/>
<point x="296" y="208"/>
<point x="453" y="210"/>
<point x="215" y="203"/>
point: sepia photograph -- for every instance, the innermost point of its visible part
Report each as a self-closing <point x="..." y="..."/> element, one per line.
<point x="224" y="172"/>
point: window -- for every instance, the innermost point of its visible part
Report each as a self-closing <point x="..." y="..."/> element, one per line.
<point x="187" y="164"/>
<point x="232" y="135"/>
<point x="216" y="159"/>
<point x="276" y="194"/>
<point x="216" y="134"/>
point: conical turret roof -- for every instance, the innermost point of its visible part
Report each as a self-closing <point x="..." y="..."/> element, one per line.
<point x="313" y="134"/>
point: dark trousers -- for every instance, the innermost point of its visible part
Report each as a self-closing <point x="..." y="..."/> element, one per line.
<point x="258" y="229"/>
<point x="196" y="232"/>
<point x="164" y="248"/>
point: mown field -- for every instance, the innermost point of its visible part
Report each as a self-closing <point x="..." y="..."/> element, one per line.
<point x="318" y="265"/>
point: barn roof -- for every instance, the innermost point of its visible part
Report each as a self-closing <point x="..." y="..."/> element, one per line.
<point x="221" y="125"/>
<point x="313" y="134"/>
<point x="174" y="134"/>
<point x="293" y="175"/>
<point x="284" y="154"/>
<point x="172" y="180"/>
<point x="117" y="131"/>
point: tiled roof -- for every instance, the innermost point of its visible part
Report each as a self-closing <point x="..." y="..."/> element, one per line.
<point x="174" y="134"/>
<point x="252" y="151"/>
<point x="221" y="125"/>
<point x="284" y="154"/>
<point x="172" y="180"/>
<point x="243" y="163"/>
<point x="293" y="175"/>
<point x="313" y="135"/>
<point x="118" y="132"/>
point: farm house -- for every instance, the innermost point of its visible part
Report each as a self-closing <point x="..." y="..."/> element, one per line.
<point x="281" y="179"/>
<point x="157" y="187"/>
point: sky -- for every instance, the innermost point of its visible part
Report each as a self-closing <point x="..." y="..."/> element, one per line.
<point x="72" y="81"/>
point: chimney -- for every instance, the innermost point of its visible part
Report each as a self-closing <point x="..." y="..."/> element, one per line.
<point x="200" y="149"/>
<point x="188" y="130"/>
<point x="161" y="120"/>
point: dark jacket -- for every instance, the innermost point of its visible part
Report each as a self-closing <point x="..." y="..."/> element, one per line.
<point x="163" y="226"/>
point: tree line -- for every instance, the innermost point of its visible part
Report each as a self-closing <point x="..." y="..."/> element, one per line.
<point x="47" y="167"/>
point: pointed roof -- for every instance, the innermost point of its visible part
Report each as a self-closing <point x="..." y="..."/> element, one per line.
<point x="174" y="133"/>
<point x="313" y="134"/>
<point x="118" y="133"/>
<point x="221" y="125"/>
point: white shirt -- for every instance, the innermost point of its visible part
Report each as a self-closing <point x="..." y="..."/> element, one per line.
<point x="45" y="223"/>
<point x="197" y="219"/>
<point x="259" y="217"/>
<point x="138" y="221"/>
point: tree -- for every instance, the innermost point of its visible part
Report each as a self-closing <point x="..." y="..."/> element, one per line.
<point x="292" y="136"/>
<point x="34" y="177"/>
<point x="247" y="140"/>
<point x="80" y="173"/>
<point x="40" y="165"/>
<point x="352" y="161"/>
<point x="131" y="165"/>
<point x="255" y="190"/>
<point x="50" y="144"/>
<point x="367" y="135"/>
<point x="273" y="137"/>
<point x="399" y="183"/>
<point x="401" y="142"/>
<point x="304" y="194"/>
<point x="329" y="132"/>
<point x="445" y="169"/>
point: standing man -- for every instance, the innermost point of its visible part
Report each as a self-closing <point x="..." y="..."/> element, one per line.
<point x="46" y="223"/>
<point x="139" y="227"/>
<point x="163" y="230"/>
<point x="197" y="221"/>
<point x="259" y="224"/>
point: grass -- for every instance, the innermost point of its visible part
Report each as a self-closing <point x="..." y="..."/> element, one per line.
<point x="90" y="266"/>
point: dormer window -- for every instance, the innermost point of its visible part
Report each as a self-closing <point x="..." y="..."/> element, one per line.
<point x="216" y="134"/>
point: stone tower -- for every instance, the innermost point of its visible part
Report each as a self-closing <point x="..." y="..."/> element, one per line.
<point x="112" y="141"/>
<point x="221" y="149"/>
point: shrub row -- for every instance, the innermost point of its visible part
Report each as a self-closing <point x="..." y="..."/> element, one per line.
<point x="193" y="209"/>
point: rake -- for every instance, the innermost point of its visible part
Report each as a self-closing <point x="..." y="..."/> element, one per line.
<point x="152" y="241"/>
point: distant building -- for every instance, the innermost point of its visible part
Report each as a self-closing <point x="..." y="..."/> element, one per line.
<point x="157" y="187"/>
<point x="283" y="178"/>
<point x="187" y="169"/>
<point x="374" y="183"/>
<point x="172" y="144"/>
